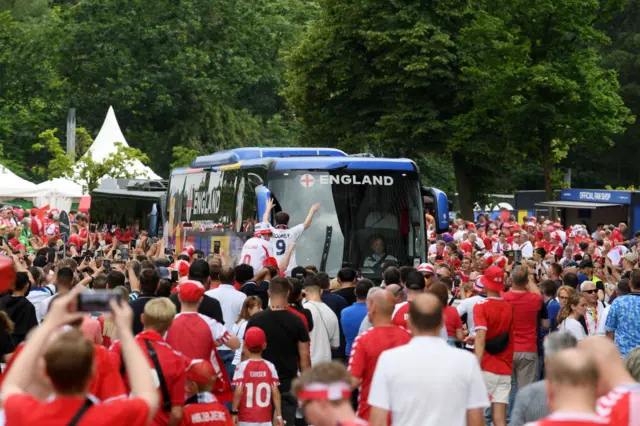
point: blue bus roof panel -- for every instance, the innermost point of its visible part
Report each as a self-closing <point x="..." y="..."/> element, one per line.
<point x="352" y="163"/>
<point x="239" y="154"/>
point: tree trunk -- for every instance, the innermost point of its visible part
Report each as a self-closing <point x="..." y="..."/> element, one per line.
<point x="463" y="185"/>
<point x="547" y="167"/>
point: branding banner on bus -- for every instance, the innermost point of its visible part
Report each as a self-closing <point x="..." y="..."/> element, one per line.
<point x="308" y="180"/>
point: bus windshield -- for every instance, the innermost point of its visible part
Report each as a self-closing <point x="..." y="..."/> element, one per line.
<point x="366" y="218"/>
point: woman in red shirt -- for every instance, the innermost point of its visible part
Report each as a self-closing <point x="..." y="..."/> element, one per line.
<point x="452" y="320"/>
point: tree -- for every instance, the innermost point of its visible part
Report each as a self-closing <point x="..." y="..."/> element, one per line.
<point x="542" y="85"/>
<point x="86" y="171"/>
<point x="183" y="156"/>
<point x="386" y="77"/>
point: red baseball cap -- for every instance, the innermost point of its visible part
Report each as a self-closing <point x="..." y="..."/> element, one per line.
<point x="190" y="291"/>
<point x="254" y="338"/>
<point x="426" y="268"/>
<point x="471" y="226"/>
<point x="188" y="250"/>
<point x="182" y="267"/>
<point x="201" y="371"/>
<point x="493" y="279"/>
<point x="7" y="273"/>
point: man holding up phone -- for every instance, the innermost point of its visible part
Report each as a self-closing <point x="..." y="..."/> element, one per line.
<point x="70" y="380"/>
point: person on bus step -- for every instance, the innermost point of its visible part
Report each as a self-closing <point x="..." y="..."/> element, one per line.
<point x="379" y="255"/>
<point x="258" y="248"/>
<point x="283" y="236"/>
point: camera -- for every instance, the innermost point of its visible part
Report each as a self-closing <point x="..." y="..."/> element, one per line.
<point x="97" y="301"/>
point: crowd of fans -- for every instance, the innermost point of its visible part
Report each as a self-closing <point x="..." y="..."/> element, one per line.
<point x="507" y="323"/>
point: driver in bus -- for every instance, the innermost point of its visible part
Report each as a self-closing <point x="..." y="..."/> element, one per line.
<point x="379" y="256"/>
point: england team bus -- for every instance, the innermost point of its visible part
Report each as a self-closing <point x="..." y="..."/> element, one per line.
<point x="367" y="205"/>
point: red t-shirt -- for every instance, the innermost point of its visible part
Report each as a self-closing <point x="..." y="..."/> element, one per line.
<point x="210" y="413"/>
<point x="23" y="409"/>
<point x="83" y="235"/>
<point x="257" y="377"/>
<point x="364" y="356"/>
<point x="106" y="384"/>
<point x="197" y="336"/>
<point x="617" y="406"/>
<point x="496" y="316"/>
<point x="401" y="315"/>
<point x="173" y="366"/>
<point x="526" y="306"/>
<point x="452" y="320"/>
<point x="300" y="315"/>
<point x="572" y="419"/>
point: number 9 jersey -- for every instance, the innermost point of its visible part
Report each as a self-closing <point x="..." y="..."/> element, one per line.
<point x="282" y="239"/>
<point x="256" y="377"/>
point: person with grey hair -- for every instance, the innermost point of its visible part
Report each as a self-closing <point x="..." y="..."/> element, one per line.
<point x="531" y="401"/>
<point x="366" y="323"/>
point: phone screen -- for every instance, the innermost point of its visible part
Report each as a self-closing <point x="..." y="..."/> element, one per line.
<point x="216" y="247"/>
<point x="96" y="301"/>
<point x="174" y="276"/>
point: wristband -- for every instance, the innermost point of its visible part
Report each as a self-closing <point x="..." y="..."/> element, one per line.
<point x="234" y="412"/>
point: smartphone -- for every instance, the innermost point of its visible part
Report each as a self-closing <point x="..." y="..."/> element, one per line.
<point x="2" y="240"/>
<point x="87" y="258"/>
<point x="168" y="251"/>
<point x="216" y="247"/>
<point x="124" y="253"/>
<point x="509" y="253"/>
<point x="517" y="256"/>
<point x="174" y="276"/>
<point x="97" y="301"/>
<point x="107" y="264"/>
<point x="78" y="259"/>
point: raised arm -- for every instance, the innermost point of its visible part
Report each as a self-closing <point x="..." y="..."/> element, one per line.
<point x="267" y="211"/>
<point x="312" y="211"/>
<point x="284" y="263"/>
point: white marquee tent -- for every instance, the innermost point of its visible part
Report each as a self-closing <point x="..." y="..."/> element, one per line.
<point x="11" y="183"/>
<point x="57" y="193"/>
<point x="104" y="145"/>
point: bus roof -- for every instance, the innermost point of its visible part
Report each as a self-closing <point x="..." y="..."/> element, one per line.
<point x="295" y="159"/>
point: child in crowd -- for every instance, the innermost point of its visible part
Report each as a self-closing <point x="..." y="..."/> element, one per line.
<point x="202" y="408"/>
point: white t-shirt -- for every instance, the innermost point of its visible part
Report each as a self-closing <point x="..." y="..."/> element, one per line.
<point x="239" y="329"/>
<point x="601" y="331"/>
<point x="38" y="296"/>
<point x="325" y="333"/>
<point x="281" y="240"/>
<point x="255" y="251"/>
<point x="231" y="301"/>
<point x="574" y="327"/>
<point x="429" y="383"/>
<point x="527" y="250"/>
<point x="466" y="307"/>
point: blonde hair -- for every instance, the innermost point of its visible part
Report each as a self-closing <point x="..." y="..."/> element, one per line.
<point x="159" y="314"/>
<point x="574" y="300"/>
<point x="249" y="303"/>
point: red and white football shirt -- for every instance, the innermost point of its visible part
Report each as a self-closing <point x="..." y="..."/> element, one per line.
<point x="364" y="356"/>
<point x="256" y="377"/>
<point x="496" y="316"/>
<point x="23" y="409"/>
<point x="106" y="384"/>
<point x="401" y="314"/>
<point x="197" y="336"/>
<point x="173" y="366"/>
<point x="255" y="251"/>
<point x="207" y="411"/>
<point x="571" y="419"/>
<point x="621" y="406"/>
<point x="83" y="235"/>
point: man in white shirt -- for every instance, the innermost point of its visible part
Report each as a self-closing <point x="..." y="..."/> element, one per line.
<point x="466" y="307"/>
<point x="258" y="248"/>
<point x="283" y="236"/>
<point x="231" y="301"/>
<point x="525" y="246"/>
<point x="427" y="382"/>
<point x="325" y="335"/>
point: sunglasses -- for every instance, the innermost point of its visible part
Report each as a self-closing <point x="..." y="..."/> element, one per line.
<point x="590" y="291"/>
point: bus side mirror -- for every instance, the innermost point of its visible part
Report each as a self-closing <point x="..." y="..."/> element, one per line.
<point x="440" y="207"/>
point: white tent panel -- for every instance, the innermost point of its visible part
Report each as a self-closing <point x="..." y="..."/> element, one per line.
<point x="57" y="193"/>
<point x="104" y="145"/>
<point x="11" y="183"/>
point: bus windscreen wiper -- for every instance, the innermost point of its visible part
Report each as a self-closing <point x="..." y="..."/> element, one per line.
<point x="325" y="249"/>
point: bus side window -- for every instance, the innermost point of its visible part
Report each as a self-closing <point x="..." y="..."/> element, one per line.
<point x="250" y="207"/>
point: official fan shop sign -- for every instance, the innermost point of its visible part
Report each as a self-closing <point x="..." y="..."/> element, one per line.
<point x="65" y="226"/>
<point x="596" y="196"/>
<point x="307" y="180"/>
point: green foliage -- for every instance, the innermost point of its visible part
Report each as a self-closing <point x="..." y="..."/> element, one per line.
<point x="85" y="170"/>
<point x="183" y="156"/>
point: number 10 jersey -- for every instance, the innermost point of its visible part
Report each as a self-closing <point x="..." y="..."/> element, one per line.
<point x="256" y="377"/>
